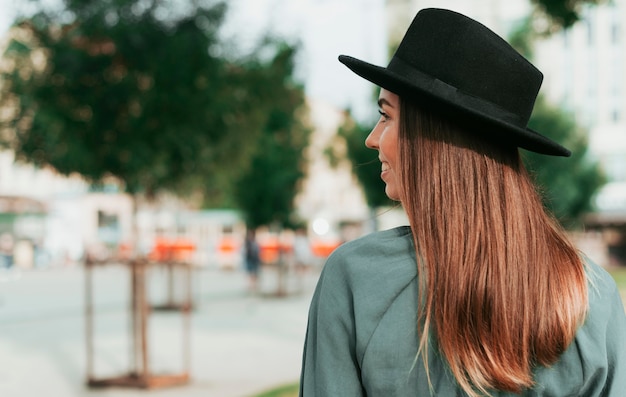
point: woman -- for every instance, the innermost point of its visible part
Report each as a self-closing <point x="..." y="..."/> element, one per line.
<point x="483" y="294"/>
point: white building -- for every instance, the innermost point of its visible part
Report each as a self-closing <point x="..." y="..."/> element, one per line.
<point x="330" y="195"/>
<point x="585" y="69"/>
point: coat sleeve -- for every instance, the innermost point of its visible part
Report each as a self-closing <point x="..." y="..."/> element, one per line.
<point x="602" y="342"/>
<point x="615" y="385"/>
<point x="329" y="365"/>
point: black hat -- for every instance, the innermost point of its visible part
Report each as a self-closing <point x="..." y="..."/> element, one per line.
<point x="457" y="66"/>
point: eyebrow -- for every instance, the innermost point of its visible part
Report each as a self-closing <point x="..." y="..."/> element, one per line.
<point x="383" y="101"/>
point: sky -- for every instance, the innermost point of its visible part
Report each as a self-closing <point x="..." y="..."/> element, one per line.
<point x="325" y="29"/>
<point x="6" y="15"/>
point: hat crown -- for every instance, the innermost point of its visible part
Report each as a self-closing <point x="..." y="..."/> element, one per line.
<point x="468" y="56"/>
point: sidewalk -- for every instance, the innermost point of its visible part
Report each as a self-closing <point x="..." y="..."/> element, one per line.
<point x="241" y="344"/>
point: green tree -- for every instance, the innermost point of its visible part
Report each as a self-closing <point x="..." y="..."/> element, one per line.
<point x="562" y="14"/>
<point x="365" y="163"/>
<point x="122" y="88"/>
<point x="567" y="184"/>
<point x="266" y="192"/>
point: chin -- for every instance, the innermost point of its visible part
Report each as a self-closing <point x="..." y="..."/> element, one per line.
<point x="392" y="194"/>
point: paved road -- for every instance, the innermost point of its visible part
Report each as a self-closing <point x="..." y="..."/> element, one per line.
<point x="241" y="343"/>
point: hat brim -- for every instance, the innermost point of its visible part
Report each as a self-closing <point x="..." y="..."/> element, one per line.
<point x="439" y="96"/>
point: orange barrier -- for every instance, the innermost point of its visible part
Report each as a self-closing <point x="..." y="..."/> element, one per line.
<point x="165" y="250"/>
<point x="227" y="245"/>
<point x="125" y="251"/>
<point x="324" y="248"/>
<point x="270" y="249"/>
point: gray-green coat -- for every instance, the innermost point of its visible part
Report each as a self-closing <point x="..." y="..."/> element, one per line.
<point x="362" y="334"/>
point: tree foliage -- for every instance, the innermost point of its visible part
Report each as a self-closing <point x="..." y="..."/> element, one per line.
<point x="266" y="192"/>
<point x="123" y="88"/>
<point x="365" y="163"/>
<point x="562" y="13"/>
<point x="567" y="184"/>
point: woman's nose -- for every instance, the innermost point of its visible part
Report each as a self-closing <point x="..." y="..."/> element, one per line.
<point x="372" y="140"/>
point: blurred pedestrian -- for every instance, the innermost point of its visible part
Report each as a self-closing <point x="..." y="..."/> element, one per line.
<point x="252" y="259"/>
<point x="7" y="245"/>
<point x="483" y="294"/>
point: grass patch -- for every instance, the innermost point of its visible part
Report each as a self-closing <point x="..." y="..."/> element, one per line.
<point x="619" y="275"/>
<point x="282" y="391"/>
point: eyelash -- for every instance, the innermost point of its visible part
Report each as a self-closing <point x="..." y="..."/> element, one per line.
<point x="384" y="115"/>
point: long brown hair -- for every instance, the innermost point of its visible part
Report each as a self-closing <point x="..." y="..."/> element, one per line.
<point x="502" y="288"/>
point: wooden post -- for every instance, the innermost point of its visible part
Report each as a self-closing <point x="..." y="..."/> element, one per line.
<point x="89" y="319"/>
<point x="188" y="307"/>
<point x="141" y="310"/>
<point x="139" y="375"/>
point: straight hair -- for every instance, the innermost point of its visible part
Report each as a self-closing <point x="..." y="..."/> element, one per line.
<point x="502" y="289"/>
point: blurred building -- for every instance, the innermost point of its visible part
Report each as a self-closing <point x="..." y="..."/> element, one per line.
<point x="585" y="69"/>
<point x="331" y="196"/>
<point x="50" y="219"/>
<point x="500" y="16"/>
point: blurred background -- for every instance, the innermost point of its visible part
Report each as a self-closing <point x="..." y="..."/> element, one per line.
<point x="141" y="139"/>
